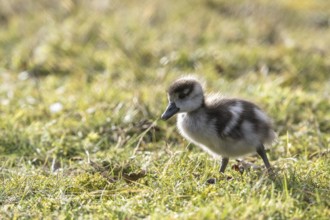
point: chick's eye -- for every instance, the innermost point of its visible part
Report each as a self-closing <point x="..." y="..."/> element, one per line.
<point x="181" y="96"/>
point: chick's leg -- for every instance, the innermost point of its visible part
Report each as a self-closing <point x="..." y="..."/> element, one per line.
<point x="224" y="163"/>
<point x="262" y="153"/>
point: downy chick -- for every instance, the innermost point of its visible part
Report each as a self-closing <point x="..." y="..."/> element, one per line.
<point x="220" y="126"/>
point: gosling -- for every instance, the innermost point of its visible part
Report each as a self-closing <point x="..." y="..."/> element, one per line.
<point x="220" y="126"/>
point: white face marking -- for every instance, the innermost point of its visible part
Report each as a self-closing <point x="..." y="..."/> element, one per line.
<point x="236" y="111"/>
<point x="186" y="91"/>
<point x="260" y="115"/>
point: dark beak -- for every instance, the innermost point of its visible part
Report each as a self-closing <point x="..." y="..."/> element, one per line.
<point x="170" y="111"/>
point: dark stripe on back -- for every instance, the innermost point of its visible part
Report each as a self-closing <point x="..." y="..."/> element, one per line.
<point x="220" y="111"/>
<point x="246" y="115"/>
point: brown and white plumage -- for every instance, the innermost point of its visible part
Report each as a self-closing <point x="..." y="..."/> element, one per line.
<point x="220" y="126"/>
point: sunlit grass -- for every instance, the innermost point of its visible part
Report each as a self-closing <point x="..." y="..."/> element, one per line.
<point x="83" y="85"/>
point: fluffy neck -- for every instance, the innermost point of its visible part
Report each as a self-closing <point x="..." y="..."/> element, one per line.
<point x="201" y="106"/>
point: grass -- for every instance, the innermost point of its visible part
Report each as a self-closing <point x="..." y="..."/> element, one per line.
<point x="83" y="85"/>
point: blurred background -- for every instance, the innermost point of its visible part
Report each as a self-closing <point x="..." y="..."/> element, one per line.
<point x="78" y="70"/>
<point x="133" y="38"/>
